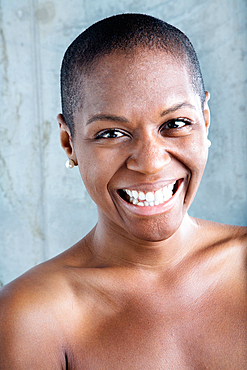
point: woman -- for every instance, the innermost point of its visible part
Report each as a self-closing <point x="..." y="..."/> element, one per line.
<point x="149" y="287"/>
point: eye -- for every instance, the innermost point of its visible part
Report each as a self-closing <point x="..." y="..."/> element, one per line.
<point x="175" y="124"/>
<point x="109" y="134"/>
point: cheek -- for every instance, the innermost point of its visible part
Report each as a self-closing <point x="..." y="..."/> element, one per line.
<point x="97" y="167"/>
<point x="197" y="153"/>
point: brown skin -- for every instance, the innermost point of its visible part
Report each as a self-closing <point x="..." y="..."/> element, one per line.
<point x="157" y="291"/>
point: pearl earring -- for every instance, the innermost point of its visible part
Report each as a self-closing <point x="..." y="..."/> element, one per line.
<point x="209" y="143"/>
<point x="70" y="163"/>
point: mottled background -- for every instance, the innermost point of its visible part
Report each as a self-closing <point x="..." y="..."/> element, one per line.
<point x="44" y="208"/>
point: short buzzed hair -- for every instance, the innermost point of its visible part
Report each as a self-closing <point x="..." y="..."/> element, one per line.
<point x="123" y="32"/>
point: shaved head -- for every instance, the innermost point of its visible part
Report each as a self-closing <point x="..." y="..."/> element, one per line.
<point x="126" y="33"/>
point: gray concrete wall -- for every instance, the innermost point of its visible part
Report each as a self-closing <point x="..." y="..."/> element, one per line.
<point x="44" y="208"/>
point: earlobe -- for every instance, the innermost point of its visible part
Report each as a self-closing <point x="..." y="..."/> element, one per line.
<point x="66" y="138"/>
<point x="207" y="111"/>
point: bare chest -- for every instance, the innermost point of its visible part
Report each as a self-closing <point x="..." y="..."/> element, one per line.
<point x="161" y="333"/>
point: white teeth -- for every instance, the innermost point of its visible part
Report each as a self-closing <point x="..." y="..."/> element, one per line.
<point x="150" y="198"/>
<point x="142" y="196"/>
<point x="135" y="194"/>
<point x="166" y="197"/>
<point x="169" y="187"/>
<point x="166" y="194"/>
<point x="158" y="195"/>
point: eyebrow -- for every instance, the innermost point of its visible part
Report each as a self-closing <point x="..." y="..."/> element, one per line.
<point x="107" y="117"/>
<point x="113" y="118"/>
<point x="177" y="107"/>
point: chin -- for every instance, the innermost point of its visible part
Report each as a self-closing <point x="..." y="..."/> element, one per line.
<point x="155" y="230"/>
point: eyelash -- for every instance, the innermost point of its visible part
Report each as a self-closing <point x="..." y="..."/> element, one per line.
<point x="111" y="131"/>
<point x="185" y="122"/>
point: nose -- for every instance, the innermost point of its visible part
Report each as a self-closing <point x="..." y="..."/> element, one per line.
<point x="149" y="157"/>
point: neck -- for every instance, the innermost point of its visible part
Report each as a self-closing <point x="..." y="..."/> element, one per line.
<point x="112" y="246"/>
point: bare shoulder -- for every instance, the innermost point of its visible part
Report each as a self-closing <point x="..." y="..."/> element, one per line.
<point x="218" y="233"/>
<point x="29" y="324"/>
<point x="32" y="316"/>
<point x="221" y="242"/>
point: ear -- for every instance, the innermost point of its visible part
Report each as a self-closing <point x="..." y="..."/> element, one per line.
<point x="207" y="111"/>
<point x="66" y="139"/>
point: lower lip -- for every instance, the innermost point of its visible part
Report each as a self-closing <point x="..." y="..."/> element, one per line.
<point x="154" y="210"/>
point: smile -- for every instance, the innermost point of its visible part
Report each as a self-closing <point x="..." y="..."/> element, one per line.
<point x="150" y="198"/>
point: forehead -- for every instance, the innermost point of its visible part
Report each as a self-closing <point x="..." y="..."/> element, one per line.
<point x="142" y="78"/>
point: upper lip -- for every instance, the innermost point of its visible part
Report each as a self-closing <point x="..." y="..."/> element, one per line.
<point x="146" y="187"/>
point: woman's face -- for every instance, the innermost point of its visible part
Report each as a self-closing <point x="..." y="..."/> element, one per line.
<point x="140" y="142"/>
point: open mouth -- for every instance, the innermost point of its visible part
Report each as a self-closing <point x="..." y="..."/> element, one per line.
<point x="150" y="198"/>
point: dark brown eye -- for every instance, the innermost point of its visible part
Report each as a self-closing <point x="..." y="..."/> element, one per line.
<point x="175" y="124"/>
<point x="110" y="134"/>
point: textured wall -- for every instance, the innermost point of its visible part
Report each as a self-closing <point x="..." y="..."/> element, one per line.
<point x="44" y="208"/>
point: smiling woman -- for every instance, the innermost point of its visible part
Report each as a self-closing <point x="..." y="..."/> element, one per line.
<point x="149" y="287"/>
<point x="140" y="131"/>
